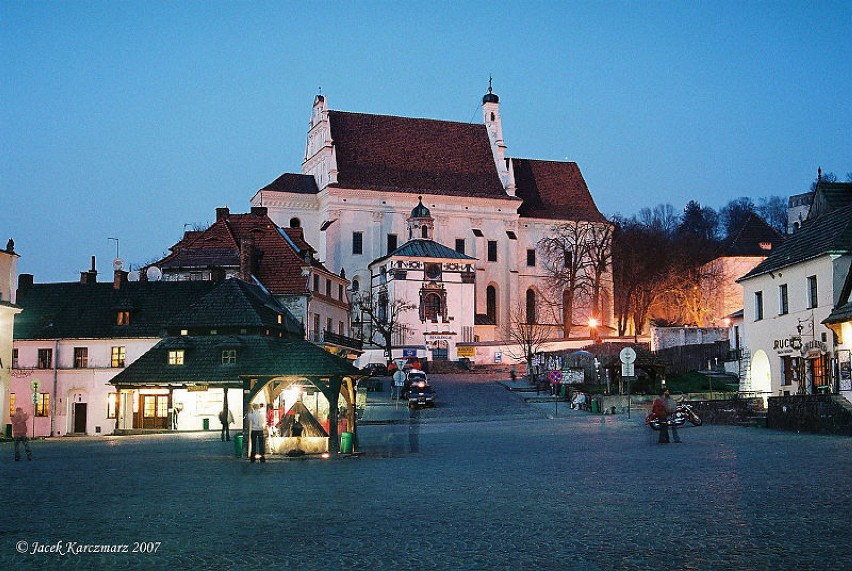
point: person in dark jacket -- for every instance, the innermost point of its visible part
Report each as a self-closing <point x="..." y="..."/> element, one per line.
<point x="19" y="433"/>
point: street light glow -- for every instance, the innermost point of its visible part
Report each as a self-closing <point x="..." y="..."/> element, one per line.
<point x="593" y="322"/>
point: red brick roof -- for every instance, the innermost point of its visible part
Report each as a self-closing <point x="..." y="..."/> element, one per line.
<point x="553" y="190"/>
<point x="424" y="156"/>
<point x="278" y="267"/>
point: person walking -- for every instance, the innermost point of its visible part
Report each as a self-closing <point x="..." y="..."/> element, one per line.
<point x="227" y="419"/>
<point x="19" y="433"/>
<point x="257" y="425"/>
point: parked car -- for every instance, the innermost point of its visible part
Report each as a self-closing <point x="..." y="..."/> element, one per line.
<point x="376" y="369"/>
<point x="421" y="393"/>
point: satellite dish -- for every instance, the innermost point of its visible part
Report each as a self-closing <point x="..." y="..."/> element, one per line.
<point x="154" y="274"/>
<point x="117" y="264"/>
<point x="133" y="276"/>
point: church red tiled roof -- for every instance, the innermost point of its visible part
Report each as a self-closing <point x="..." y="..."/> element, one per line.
<point x="418" y="156"/>
<point x="553" y="190"/>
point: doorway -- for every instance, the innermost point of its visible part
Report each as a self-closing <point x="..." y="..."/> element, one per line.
<point x="155" y="411"/>
<point x="80" y="417"/>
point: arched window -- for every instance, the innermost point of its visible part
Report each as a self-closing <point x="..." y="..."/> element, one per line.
<point x="531" y="306"/>
<point x="356" y="285"/>
<point x="295" y="223"/>
<point x="432" y="306"/>
<point x="491" y="303"/>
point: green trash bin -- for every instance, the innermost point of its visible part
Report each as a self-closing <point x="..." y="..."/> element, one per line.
<point x="562" y="390"/>
<point x="346" y="443"/>
<point x="205" y="423"/>
<point x="595" y="405"/>
<point x="238" y="445"/>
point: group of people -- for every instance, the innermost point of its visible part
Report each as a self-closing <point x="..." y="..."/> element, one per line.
<point x="260" y="426"/>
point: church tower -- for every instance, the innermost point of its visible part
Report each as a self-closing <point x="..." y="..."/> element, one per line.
<point x="320" y="155"/>
<point x="421" y="225"/>
<point x="494" y="126"/>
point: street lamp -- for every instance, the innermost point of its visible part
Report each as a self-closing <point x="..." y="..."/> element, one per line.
<point x="593" y="325"/>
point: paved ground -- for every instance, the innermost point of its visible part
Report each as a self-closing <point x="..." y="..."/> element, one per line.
<point x="481" y="482"/>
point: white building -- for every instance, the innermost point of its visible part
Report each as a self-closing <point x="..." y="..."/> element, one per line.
<point x="789" y="295"/>
<point x="8" y="310"/>
<point x="439" y="284"/>
<point x="362" y="173"/>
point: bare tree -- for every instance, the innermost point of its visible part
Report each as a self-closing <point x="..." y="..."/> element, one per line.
<point x="381" y="315"/>
<point x="599" y="266"/>
<point x="774" y="210"/>
<point x="523" y="338"/>
<point x="565" y="260"/>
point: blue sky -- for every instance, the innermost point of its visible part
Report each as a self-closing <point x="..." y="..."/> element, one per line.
<point x="133" y="119"/>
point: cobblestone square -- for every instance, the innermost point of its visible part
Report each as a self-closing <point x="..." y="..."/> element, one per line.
<point x="484" y="481"/>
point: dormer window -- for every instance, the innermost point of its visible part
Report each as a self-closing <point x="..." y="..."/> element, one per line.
<point x="122" y="318"/>
<point x="229" y="356"/>
<point x="766" y="245"/>
<point x="176" y="357"/>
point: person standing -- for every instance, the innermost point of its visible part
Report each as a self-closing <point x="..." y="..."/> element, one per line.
<point x="227" y="419"/>
<point x="257" y="425"/>
<point x="19" y="433"/>
<point x="660" y="410"/>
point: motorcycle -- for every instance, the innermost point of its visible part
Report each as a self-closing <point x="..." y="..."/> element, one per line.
<point x="682" y="413"/>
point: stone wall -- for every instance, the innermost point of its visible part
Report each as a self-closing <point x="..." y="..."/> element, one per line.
<point x="819" y="414"/>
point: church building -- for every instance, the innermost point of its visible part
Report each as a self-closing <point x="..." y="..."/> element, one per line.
<point x="362" y="174"/>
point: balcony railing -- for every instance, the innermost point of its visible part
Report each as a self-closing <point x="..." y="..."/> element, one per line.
<point x="342" y="340"/>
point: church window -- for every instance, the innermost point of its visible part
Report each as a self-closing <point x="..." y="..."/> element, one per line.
<point x="432" y="306"/>
<point x="424" y="231"/>
<point x="356" y="285"/>
<point x="460" y="245"/>
<point x="433" y="271"/>
<point x="492" y="115"/>
<point x="357" y="242"/>
<point x="531" y="306"/>
<point x="492" y="250"/>
<point x="392" y="243"/>
<point x="531" y="257"/>
<point x="295" y="223"/>
<point x="491" y="303"/>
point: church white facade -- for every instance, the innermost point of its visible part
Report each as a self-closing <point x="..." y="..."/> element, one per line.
<point x="362" y="175"/>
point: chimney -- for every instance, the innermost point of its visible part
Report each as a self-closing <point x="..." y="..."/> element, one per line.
<point x="119" y="279"/>
<point x="246" y="259"/>
<point x="25" y="282"/>
<point x="222" y="213"/>
<point x="258" y="211"/>
<point x="91" y="276"/>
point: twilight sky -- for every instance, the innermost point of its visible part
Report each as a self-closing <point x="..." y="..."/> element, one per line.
<point x="132" y="119"/>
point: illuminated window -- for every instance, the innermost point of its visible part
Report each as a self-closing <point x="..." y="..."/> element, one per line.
<point x="11" y="404"/>
<point x="176" y="357"/>
<point x="112" y="405"/>
<point x="45" y="358"/>
<point x="42" y="404"/>
<point x="229" y="356"/>
<point x="122" y="318"/>
<point x="117" y="357"/>
<point x="81" y="357"/>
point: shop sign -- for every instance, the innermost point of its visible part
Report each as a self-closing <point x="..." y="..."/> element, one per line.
<point x="466" y="351"/>
<point x="787" y="345"/>
<point x="444" y="337"/>
<point x="197" y="388"/>
<point x="814" y="348"/>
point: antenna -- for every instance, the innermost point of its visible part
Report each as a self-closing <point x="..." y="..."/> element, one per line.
<point x="116" y="246"/>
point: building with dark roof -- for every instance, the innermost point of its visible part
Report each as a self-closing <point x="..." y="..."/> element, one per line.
<point x="8" y="311"/>
<point x="160" y="355"/>
<point x="367" y="170"/>
<point x="794" y="295"/>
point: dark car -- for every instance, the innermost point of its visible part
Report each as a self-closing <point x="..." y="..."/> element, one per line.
<point x="421" y="393"/>
<point x="376" y="369"/>
<point x="412" y="376"/>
